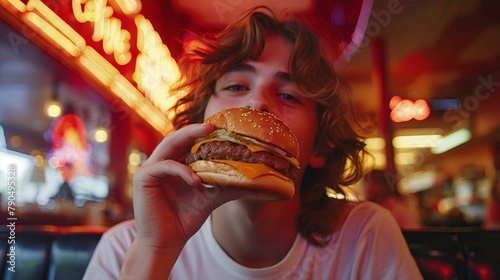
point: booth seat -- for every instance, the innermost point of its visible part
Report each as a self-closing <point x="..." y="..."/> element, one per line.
<point x="48" y="252"/>
<point x="64" y="253"/>
<point x="456" y="253"/>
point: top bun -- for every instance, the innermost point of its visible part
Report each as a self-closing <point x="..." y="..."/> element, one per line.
<point x="259" y="125"/>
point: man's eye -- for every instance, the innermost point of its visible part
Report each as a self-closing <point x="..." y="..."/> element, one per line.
<point x="289" y="97"/>
<point x="236" y="87"/>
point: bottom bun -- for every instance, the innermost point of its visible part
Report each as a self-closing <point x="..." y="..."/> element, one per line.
<point x="221" y="174"/>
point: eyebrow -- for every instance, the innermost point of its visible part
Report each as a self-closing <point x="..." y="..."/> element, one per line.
<point x="284" y="76"/>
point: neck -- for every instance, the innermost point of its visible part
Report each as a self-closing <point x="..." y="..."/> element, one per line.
<point x="255" y="233"/>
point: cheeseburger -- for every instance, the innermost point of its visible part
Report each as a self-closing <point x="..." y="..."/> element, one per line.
<point x="249" y="148"/>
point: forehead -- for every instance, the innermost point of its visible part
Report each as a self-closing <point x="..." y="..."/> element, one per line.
<point x="274" y="60"/>
<point x="277" y="50"/>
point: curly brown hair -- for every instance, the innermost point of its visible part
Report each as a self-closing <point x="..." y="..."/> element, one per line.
<point x="311" y="69"/>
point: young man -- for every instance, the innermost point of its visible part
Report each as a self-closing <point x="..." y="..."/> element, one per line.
<point x="183" y="230"/>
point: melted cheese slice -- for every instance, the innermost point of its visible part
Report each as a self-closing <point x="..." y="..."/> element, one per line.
<point x="251" y="147"/>
<point x="252" y="170"/>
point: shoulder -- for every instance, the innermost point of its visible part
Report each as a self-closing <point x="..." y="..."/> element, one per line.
<point x="109" y="253"/>
<point x="371" y="241"/>
<point x="122" y="234"/>
<point x="366" y="211"/>
<point x="123" y="228"/>
<point x="367" y="217"/>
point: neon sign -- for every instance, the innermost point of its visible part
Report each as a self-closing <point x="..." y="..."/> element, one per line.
<point x="403" y="110"/>
<point x="107" y="28"/>
<point x="114" y="44"/>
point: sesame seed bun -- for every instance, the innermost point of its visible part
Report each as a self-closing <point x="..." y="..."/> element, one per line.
<point x="260" y="125"/>
<point x="271" y="187"/>
<point x="261" y="153"/>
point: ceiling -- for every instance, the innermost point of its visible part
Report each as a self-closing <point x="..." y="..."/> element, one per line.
<point x="433" y="50"/>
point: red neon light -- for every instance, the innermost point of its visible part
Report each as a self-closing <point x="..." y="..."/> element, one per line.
<point x="70" y="150"/>
<point x="403" y="110"/>
<point x="421" y="110"/>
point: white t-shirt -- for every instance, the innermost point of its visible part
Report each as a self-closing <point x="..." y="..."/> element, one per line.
<point x="368" y="245"/>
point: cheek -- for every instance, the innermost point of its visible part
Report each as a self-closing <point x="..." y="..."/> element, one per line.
<point x="211" y="107"/>
<point x="215" y="105"/>
<point x="305" y="133"/>
<point x="306" y="149"/>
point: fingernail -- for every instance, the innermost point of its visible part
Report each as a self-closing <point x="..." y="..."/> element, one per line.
<point x="196" y="180"/>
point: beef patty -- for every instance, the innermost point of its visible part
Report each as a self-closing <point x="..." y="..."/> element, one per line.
<point x="231" y="151"/>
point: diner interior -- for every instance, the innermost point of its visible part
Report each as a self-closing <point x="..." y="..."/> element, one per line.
<point x="424" y="76"/>
<point x="436" y="64"/>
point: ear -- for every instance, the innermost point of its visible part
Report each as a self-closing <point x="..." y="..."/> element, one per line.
<point x="316" y="161"/>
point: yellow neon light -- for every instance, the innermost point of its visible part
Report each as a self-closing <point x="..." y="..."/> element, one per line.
<point x="416" y="141"/>
<point x="18" y="5"/>
<point x="375" y="143"/>
<point x="155" y="71"/>
<point x="98" y="66"/>
<point x="56" y="22"/>
<point x="51" y="34"/>
<point x="106" y="28"/>
<point x="133" y="98"/>
<point x="99" y="19"/>
<point x="79" y="14"/>
<point x="126" y="91"/>
<point x="129" y="7"/>
<point x="147" y="110"/>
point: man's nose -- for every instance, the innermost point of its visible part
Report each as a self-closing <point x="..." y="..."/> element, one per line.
<point x="260" y="99"/>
